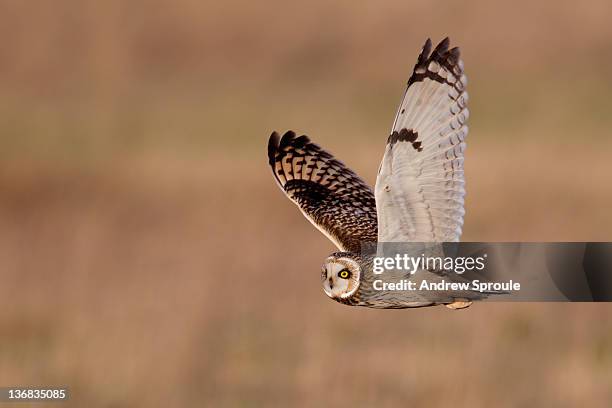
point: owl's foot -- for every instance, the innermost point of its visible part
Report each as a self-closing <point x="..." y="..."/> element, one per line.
<point x="459" y="303"/>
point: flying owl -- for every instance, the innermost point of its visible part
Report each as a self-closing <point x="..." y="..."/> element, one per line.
<point x="419" y="192"/>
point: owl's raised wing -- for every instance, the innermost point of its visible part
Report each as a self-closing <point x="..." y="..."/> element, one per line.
<point x="420" y="183"/>
<point x="328" y="193"/>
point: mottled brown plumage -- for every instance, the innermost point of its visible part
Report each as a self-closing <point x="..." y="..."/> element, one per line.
<point x="332" y="196"/>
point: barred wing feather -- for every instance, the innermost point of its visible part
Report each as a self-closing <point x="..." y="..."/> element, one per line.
<point x="329" y="194"/>
<point x="420" y="184"/>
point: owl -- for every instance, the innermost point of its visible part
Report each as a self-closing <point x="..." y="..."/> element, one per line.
<point x="419" y="192"/>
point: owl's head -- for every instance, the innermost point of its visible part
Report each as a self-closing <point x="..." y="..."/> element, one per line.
<point x="340" y="275"/>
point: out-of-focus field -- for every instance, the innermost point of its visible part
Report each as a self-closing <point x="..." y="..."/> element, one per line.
<point x="148" y="259"/>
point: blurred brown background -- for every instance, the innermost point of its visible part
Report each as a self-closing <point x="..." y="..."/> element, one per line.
<point x="148" y="259"/>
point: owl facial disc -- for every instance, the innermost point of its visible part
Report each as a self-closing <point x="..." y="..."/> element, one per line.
<point x="340" y="277"/>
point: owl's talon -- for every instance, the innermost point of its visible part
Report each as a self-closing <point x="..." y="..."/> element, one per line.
<point x="459" y="303"/>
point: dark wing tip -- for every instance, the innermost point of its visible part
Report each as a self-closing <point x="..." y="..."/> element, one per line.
<point x="424" y="52"/>
<point x="272" y="147"/>
<point x="449" y="58"/>
<point x="441" y="48"/>
<point x="301" y="141"/>
<point x="286" y="140"/>
<point x="278" y="144"/>
<point x="453" y="55"/>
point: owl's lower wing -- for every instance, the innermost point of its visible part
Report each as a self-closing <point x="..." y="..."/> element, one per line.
<point x="420" y="183"/>
<point x="329" y="194"/>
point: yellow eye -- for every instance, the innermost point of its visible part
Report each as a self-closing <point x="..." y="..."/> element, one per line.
<point x="344" y="274"/>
